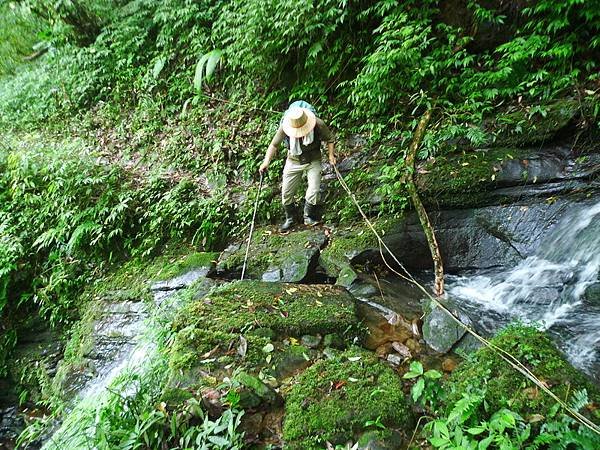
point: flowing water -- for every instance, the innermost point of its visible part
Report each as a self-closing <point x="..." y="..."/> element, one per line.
<point x="546" y="288"/>
<point x="132" y="356"/>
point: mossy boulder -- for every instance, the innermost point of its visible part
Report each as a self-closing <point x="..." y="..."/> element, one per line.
<point x="527" y="127"/>
<point x="463" y="179"/>
<point x="341" y="398"/>
<point x="486" y="372"/>
<point x="255" y="325"/>
<point x="350" y="247"/>
<point x="276" y="257"/>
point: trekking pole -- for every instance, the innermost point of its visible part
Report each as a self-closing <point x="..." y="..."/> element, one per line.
<point x="252" y="225"/>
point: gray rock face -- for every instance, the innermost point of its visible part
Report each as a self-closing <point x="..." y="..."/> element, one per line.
<point x="477" y="238"/>
<point x="441" y="332"/>
<point x="181" y="281"/>
<point x="592" y="294"/>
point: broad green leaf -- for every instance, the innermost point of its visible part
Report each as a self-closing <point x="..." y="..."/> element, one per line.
<point x="433" y="374"/>
<point x="417" y="389"/>
<point x="158" y="67"/>
<point x="438" y="442"/>
<point x="213" y="59"/>
<point x="199" y="71"/>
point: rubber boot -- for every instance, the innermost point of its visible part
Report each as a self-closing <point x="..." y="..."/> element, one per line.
<point x="290" y="214"/>
<point x="310" y="215"/>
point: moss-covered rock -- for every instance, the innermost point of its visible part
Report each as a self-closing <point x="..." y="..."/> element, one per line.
<point x="276" y="257"/>
<point x="504" y="387"/>
<point x="463" y="179"/>
<point x="256" y="326"/>
<point x="525" y="127"/>
<point x="347" y="246"/>
<point x="186" y="263"/>
<point x="338" y="399"/>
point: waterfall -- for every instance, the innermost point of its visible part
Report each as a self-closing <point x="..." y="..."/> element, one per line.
<point x="134" y="355"/>
<point x="547" y="288"/>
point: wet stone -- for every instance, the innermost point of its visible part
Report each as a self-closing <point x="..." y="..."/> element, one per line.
<point x="310" y="341"/>
<point x="181" y="281"/>
<point x="441" y="332"/>
<point x="591" y="296"/>
<point x="272" y="275"/>
<point x="394" y="359"/>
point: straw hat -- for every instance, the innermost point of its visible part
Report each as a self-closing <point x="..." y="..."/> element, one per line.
<point x="298" y="122"/>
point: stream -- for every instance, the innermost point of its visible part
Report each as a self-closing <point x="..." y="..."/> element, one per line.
<point x="547" y="288"/>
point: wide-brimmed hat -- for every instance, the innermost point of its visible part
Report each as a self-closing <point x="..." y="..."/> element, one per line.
<point x="298" y="122"/>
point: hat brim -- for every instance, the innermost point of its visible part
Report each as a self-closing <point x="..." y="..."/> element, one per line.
<point x="289" y="130"/>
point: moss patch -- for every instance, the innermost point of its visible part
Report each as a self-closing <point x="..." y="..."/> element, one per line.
<point x="286" y="309"/>
<point x="462" y="180"/>
<point x="505" y="388"/>
<point x="335" y="400"/>
<point x="185" y="263"/>
<point x="525" y="128"/>
<point x="348" y="243"/>
<point x="246" y="324"/>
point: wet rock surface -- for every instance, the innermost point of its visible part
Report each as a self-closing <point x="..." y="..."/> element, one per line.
<point x="477" y="238"/>
<point x="11" y="425"/>
<point x="275" y="257"/>
<point x="440" y="331"/>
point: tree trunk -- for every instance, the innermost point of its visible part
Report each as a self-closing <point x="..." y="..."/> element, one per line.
<point x="411" y="156"/>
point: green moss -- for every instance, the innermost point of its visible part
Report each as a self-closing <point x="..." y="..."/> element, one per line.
<point x="522" y="128"/>
<point x="186" y="263"/>
<point x="334" y="400"/>
<point x="462" y="180"/>
<point x="506" y="388"/>
<point x="230" y="327"/>
<point x="286" y="309"/>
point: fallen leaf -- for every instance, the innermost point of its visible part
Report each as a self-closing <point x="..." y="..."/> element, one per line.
<point x="268" y="348"/>
<point x="293" y="341"/>
<point x="402" y="349"/>
<point x="291" y="290"/>
<point x="353" y="358"/>
<point x="242" y="347"/>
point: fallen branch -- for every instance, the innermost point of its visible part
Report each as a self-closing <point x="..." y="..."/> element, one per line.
<point x="438" y="266"/>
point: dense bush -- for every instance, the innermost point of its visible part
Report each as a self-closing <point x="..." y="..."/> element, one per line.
<point x="65" y="213"/>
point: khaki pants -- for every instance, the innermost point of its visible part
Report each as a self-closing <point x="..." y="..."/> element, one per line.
<point x="292" y="177"/>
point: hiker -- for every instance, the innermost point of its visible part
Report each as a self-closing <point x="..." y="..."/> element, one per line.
<point x="302" y="132"/>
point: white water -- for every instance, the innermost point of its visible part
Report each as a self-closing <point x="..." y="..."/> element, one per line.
<point x="546" y="288"/>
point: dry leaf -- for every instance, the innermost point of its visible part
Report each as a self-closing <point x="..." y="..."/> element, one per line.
<point x="242" y="347"/>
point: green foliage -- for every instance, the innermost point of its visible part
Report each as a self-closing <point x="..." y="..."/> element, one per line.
<point x="486" y="404"/>
<point x="505" y="429"/>
<point x="66" y="215"/>
<point x="426" y="390"/>
<point x="206" y="67"/>
<point x="18" y="35"/>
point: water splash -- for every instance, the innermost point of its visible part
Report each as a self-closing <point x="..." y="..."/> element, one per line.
<point x="547" y="288"/>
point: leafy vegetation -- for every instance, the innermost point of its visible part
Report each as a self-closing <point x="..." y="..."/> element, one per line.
<point x="484" y="404"/>
<point x="140" y="123"/>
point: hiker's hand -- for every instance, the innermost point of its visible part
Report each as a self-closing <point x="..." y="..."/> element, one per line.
<point x="264" y="166"/>
<point x="332" y="160"/>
